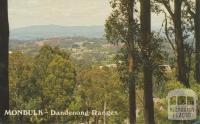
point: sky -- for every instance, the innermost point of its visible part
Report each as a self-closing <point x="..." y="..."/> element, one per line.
<point x="23" y="13"/>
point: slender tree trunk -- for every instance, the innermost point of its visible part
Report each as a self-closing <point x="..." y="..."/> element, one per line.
<point x="96" y="119"/>
<point x="4" y="40"/>
<point x="104" y="108"/>
<point x="145" y="19"/>
<point x="131" y="64"/>
<point x="132" y="103"/>
<point x="148" y="95"/>
<point x="197" y="35"/>
<point x="132" y="91"/>
<point x="181" y="65"/>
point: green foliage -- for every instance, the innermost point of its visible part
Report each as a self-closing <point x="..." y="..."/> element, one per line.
<point x="44" y="82"/>
<point x="49" y="81"/>
<point x="172" y="85"/>
<point x="100" y="89"/>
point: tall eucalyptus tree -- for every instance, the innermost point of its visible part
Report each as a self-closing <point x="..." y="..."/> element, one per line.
<point x="120" y="27"/>
<point x="145" y="20"/>
<point x="4" y="41"/>
<point x="175" y="14"/>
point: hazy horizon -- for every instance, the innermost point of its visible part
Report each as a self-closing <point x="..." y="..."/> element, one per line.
<point x="55" y="25"/>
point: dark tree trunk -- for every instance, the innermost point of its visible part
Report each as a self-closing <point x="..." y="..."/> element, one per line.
<point x="181" y="65"/>
<point x="145" y="18"/>
<point x="4" y="40"/>
<point x="131" y="64"/>
<point x="148" y="95"/>
<point x="132" y="91"/>
<point x="197" y="35"/>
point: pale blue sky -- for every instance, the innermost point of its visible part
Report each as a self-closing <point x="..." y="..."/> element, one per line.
<point x="61" y="12"/>
<point x="24" y="13"/>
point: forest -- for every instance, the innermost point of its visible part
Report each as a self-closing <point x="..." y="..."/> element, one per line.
<point x="124" y="76"/>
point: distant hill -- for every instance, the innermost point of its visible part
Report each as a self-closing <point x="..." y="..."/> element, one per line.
<point x="51" y="31"/>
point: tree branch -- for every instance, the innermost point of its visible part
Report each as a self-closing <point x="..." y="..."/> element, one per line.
<point x="167" y="35"/>
<point x="167" y="6"/>
<point x="189" y="9"/>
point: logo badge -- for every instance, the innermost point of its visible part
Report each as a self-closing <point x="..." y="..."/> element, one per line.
<point x="182" y="104"/>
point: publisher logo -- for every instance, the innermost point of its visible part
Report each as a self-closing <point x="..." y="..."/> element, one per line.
<point x="182" y="104"/>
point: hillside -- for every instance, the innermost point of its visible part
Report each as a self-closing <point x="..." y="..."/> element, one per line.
<point x="52" y="31"/>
